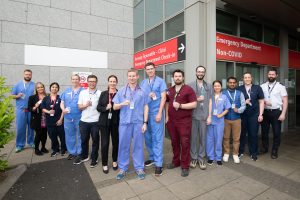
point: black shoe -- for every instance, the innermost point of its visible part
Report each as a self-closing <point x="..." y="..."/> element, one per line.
<point x="210" y="162"/>
<point x="77" y="160"/>
<point x="219" y="163"/>
<point x="185" y="172"/>
<point x="53" y="154"/>
<point x="274" y="154"/>
<point x="44" y="150"/>
<point x="263" y="151"/>
<point x="94" y="163"/>
<point x="158" y="171"/>
<point x="71" y="157"/>
<point x="148" y="163"/>
<point x="105" y="171"/>
<point x="254" y="157"/>
<point x="63" y="152"/>
<point x="171" y="166"/>
<point x="38" y="153"/>
<point x="116" y="167"/>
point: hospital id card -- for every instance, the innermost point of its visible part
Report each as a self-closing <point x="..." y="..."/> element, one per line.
<point x="154" y="97"/>
<point x="109" y="115"/>
<point x="215" y="112"/>
<point x="233" y="106"/>
<point x="131" y="105"/>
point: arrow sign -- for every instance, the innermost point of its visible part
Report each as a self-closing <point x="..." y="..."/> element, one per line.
<point x="181" y="48"/>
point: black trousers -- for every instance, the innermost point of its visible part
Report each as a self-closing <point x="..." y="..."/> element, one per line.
<point x="40" y="137"/>
<point x="54" y="132"/>
<point x="88" y="129"/>
<point x="106" y="132"/>
<point x="249" y="129"/>
<point x="271" y="118"/>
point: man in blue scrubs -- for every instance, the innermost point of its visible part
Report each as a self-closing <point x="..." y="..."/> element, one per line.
<point x="133" y="104"/>
<point x="21" y="92"/>
<point x="155" y="87"/>
<point x="72" y="115"/>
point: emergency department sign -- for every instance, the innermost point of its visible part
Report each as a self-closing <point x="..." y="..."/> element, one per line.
<point x="83" y="78"/>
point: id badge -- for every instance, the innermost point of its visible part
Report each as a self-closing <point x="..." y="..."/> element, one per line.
<point x="109" y="115"/>
<point x="233" y="106"/>
<point x="215" y="112"/>
<point x="23" y="96"/>
<point x="68" y="109"/>
<point x="131" y="105"/>
<point x="154" y="97"/>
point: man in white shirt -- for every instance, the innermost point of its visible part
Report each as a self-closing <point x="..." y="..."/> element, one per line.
<point x="276" y="103"/>
<point x="88" y="125"/>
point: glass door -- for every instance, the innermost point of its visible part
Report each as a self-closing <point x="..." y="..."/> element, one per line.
<point x="255" y="70"/>
<point x="291" y="98"/>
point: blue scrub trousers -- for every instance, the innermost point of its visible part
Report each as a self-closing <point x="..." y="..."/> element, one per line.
<point x="250" y="127"/>
<point x="128" y="132"/>
<point x="214" y="140"/>
<point x="154" y="139"/>
<point x="73" y="138"/>
<point x="23" y="124"/>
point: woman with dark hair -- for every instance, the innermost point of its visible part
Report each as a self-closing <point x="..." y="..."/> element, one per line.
<point x="109" y="123"/>
<point x="218" y="108"/>
<point x="54" y="119"/>
<point x="38" y="118"/>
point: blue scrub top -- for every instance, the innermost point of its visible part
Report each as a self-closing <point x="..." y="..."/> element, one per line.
<point x="25" y="88"/>
<point x="223" y="104"/>
<point x="140" y="99"/>
<point x="158" y="86"/>
<point x="70" y="99"/>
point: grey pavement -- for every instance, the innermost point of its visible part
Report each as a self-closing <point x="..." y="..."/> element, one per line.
<point x="263" y="179"/>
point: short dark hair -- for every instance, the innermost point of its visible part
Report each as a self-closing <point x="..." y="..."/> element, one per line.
<point x="27" y="70"/>
<point x="178" y="71"/>
<point x="273" y="69"/>
<point x="217" y="81"/>
<point x="54" y="83"/>
<point x="231" y="78"/>
<point x="149" y="64"/>
<point x="113" y="76"/>
<point x="200" y="66"/>
<point x="92" y="76"/>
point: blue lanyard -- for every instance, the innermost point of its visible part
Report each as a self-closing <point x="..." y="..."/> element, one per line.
<point x="131" y="92"/>
<point x="152" y="84"/>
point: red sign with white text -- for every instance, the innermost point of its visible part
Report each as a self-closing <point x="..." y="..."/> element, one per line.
<point x="241" y="50"/>
<point x="167" y="52"/>
<point x="294" y="59"/>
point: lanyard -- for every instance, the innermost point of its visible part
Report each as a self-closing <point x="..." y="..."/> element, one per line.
<point x="202" y="89"/>
<point x="131" y="92"/>
<point x="177" y="92"/>
<point x="111" y="96"/>
<point x="216" y="98"/>
<point x="248" y="92"/>
<point x="53" y="102"/>
<point x="152" y="84"/>
<point x="92" y="94"/>
<point x="233" y="99"/>
<point x="24" y="84"/>
<point x="271" y="89"/>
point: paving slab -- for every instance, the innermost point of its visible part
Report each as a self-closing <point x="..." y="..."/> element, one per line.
<point x="161" y="194"/>
<point x="116" y="192"/>
<point x="144" y="186"/>
<point x="274" y="195"/>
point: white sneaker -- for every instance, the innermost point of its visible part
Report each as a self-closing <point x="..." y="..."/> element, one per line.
<point x="236" y="159"/>
<point x="225" y="157"/>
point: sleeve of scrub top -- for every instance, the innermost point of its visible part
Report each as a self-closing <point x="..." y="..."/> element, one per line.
<point x="117" y="98"/>
<point x="163" y="87"/>
<point x="243" y="104"/>
<point x="260" y="93"/>
<point x="191" y="95"/>
<point x="14" y="90"/>
<point x="227" y="104"/>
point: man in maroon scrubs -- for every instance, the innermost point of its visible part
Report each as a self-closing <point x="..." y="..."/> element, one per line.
<point x="181" y="100"/>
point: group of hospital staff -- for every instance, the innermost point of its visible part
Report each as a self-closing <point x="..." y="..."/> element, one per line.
<point x="200" y="118"/>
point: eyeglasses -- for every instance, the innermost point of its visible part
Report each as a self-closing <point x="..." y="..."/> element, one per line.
<point x="92" y="81"/>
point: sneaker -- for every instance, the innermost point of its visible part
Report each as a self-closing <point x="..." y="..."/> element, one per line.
<point x="71" y="157"/>
<point x="94" y="163"/>
<point x="148" y="163"/>
<point x="236" y="159"/>
<point x="38" y="152"/>
<point x="193" y="163"/>
<point x="120" y="175"/>
<point x="141" y="174"/>
<point x="53" y="154"/>
<point x="219" y="162"/>
<point x="171" y="166"/>
<point x="274" y="154"/>
<point x="254" y="157"/>
<point x="44" y="150"/>
<point x="210" y="162"/>
<point x="225" y="157"/>
<point x="77" y="160"/>
<point x="32" y="146"/>
<point x="185" y="172"/>
<point x="86" y="159"/>
<point x="18" y="149"/>
<point x="158" y="171"/>
<point x="241" y="155"/>
<point x="202" y="165"/>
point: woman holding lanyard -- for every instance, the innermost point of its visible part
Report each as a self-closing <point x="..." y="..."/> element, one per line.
<point x="38" y="118"/>
<point x="109" y="123"/>
<point x="54" y="119"/>
<point x="218" y="108"/>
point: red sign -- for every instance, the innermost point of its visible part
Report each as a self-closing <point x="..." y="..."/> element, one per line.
<point x="167" y="52"/>
<point x="241" y="50"/>
<point x="294" y="59"/>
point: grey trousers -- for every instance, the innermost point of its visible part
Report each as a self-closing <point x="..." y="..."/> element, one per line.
<point x="198" y="139"/>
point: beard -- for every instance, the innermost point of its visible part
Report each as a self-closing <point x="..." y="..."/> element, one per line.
<point x="27" y="78"/>
<point x="178" y="82"/>
<point x="200" y="77"/>
<point x="271" y="79"/>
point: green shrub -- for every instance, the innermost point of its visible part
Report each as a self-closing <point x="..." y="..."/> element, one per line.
<point x="6" y="119"/>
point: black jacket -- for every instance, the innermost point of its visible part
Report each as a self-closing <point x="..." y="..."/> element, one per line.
<point x="101" y="107"/>
<point x="35" y="118"/>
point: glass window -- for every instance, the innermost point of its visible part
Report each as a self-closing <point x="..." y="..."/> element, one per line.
<point x="154" y="12"/>
<point x="154" y="36"/>
<point x="292" y="43"/>
<point x="224" y="70"/>
<point x="169" y="70"/>
<point x="159" y="71"/>
<point x="226" y="23"/>
<point x="141" y="75"/>
<point x="271" y="36"/>
<point x="250" y="30"/>
<point x="138" y="19"/>
<point x="175" y="26"/>
<point x="139" y="43"/>
<point x="173" y="7"/>
<point x="292" y="99"/>
<point x="253" y="69"/>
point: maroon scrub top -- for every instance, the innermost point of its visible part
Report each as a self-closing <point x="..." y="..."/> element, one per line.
<point x="185" y="95"/>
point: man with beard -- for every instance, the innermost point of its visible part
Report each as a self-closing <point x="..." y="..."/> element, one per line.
<point x="181" y="100"/>
<point x="203" y="92"/>
<point x="276" y="103"/>
<point x="21" y="92"/>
